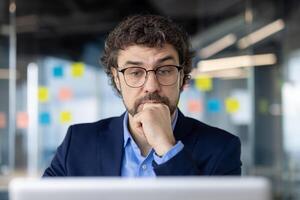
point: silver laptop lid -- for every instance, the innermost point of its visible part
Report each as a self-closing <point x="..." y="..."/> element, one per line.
<point x="182" y="188"/>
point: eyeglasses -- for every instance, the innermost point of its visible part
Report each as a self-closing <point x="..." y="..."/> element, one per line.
<point x="136" y="77"/>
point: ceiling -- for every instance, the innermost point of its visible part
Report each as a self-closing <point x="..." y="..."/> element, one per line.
<point x="99" y="16"/>
<point x="64" y="27"/>
<point x="67" y="25"/>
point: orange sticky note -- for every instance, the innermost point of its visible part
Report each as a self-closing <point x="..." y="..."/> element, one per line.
<point x="203" y="83"/>
<point x="2" y="120"/>
<point x="65" y="117"/>
<point x="77" y="69"/>
<point x="22" y="120"/>
<point x="194" y="106"/>
<point x="232" y="105"/>
<point x="43" y="94"/>
<point x="65" y="94"/>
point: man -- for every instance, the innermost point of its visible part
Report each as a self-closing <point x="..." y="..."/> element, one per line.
<point x="148" y="59"/>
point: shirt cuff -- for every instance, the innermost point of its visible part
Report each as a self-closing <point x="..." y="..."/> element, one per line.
<point x="170" y="154"/>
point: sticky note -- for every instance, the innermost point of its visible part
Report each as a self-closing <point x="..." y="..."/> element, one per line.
<point x="194" y="106"/>
<point x="203" y="83"/>
<point x="43" y="94"/>
<point x="77" y="69"/>
<point x="213" y="105"/>
<point x="65" y="94"/>
<point x="58" y="71"/>
<point x="263" y="106"/>
<point x="65" y="117"/>
<point x="44" y="118"/>
<point x="22" y="120"/>
<point x="2" y="120"/>
<point x="232" y="105"/>
<point x="275" y="109"/>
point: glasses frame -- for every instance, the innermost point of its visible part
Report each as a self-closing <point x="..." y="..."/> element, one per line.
<point x="179" y="68"/>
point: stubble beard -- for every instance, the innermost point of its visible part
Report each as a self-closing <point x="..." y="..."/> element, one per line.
<point x="155" y="97"/>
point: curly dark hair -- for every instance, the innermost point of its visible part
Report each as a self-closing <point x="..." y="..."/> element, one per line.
<point x="150" y="31"/>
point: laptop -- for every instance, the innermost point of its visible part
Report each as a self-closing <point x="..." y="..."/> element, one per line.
<point x="172" y="188"/>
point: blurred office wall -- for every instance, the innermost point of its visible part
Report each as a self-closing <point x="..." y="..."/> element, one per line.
<point x="6" y="50"/>
<point x="245" y="78"/>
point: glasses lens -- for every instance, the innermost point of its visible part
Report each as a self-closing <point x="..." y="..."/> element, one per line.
<point x="167" y="75"/>
<point x="135" y="76"/>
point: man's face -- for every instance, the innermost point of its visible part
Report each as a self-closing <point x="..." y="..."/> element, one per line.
<point x="151" y="91"/>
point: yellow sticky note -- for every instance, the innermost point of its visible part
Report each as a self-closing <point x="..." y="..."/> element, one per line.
<point x="77" y="69"/>
<point x="263" y="106"/>
<point x="232" y="105"/>
<point x="203" y="83"/>
<point x="65" y="117"/>
<point x="43" y="94"/>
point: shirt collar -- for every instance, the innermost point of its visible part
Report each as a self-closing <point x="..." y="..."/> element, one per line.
<point x="127" y="135"/>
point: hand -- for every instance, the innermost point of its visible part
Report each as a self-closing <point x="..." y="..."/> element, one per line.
<point x="154" y="122"/>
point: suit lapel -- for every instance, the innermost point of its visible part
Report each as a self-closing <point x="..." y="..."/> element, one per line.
<point x="182" y="127"/>
<point x="111" y="147"/>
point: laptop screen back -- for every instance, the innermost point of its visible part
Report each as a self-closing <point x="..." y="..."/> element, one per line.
<point x="216" y="188"/>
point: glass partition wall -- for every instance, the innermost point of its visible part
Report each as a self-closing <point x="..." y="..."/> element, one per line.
<point x="245" y="80"/>
<point x="7" y="85"/>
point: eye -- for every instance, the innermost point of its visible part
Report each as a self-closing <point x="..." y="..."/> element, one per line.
<point x="166" y="70"/>
<point x="135" y="72"/>
<point x="163" y="72"/>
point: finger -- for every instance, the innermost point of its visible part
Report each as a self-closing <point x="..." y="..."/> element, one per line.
<point x="147" y="105"/>
<point x="137" y="117"/>
<point x="160" y="106"/>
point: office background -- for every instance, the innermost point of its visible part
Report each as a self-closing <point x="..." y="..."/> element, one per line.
<point x="246" y="77"/>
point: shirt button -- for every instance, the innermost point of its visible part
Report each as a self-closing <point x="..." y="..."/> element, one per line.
<point x="144" y="167"/>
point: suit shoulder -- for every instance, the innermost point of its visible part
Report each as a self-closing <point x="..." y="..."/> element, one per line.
<point x="95" y="127"/>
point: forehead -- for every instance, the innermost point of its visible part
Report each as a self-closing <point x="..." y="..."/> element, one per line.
<point x="147" y="55"/>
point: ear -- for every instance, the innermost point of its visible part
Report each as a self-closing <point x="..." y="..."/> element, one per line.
<point x="184" y="81"/>
<point x="181" y="80"/>
<point x="116" y="77"/>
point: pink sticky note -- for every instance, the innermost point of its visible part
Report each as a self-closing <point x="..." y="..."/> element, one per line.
<point x="194" y="106"/>
<point x="65" y="94"/>
<point x="2" y="120"/>
<point x="22" y="120"/>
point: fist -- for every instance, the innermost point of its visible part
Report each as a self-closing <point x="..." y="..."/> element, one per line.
<point x="154" y="122"/>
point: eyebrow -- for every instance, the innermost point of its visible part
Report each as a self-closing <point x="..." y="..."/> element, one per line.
<point x="166" y="58"/>
<point x="133" y="63"/>
<point x="161" y="60"/>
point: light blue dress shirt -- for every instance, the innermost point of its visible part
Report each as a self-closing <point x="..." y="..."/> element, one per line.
<point x="136" y="165"/>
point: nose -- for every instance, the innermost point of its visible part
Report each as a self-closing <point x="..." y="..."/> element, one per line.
<point x="151" y="84"/>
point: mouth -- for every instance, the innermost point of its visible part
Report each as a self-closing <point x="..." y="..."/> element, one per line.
<point x="151" y="101"/>
<point x="141" y="105"/>
<point x="152" y="98"/>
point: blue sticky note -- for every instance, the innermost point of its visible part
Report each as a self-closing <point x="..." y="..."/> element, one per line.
<point x="44" y="118"/>
<point x="213" y="105"/>
<point x="58" y="71"/>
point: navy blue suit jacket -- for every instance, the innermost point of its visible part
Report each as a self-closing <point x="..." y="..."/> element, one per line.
<point x="96" y="149"/>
